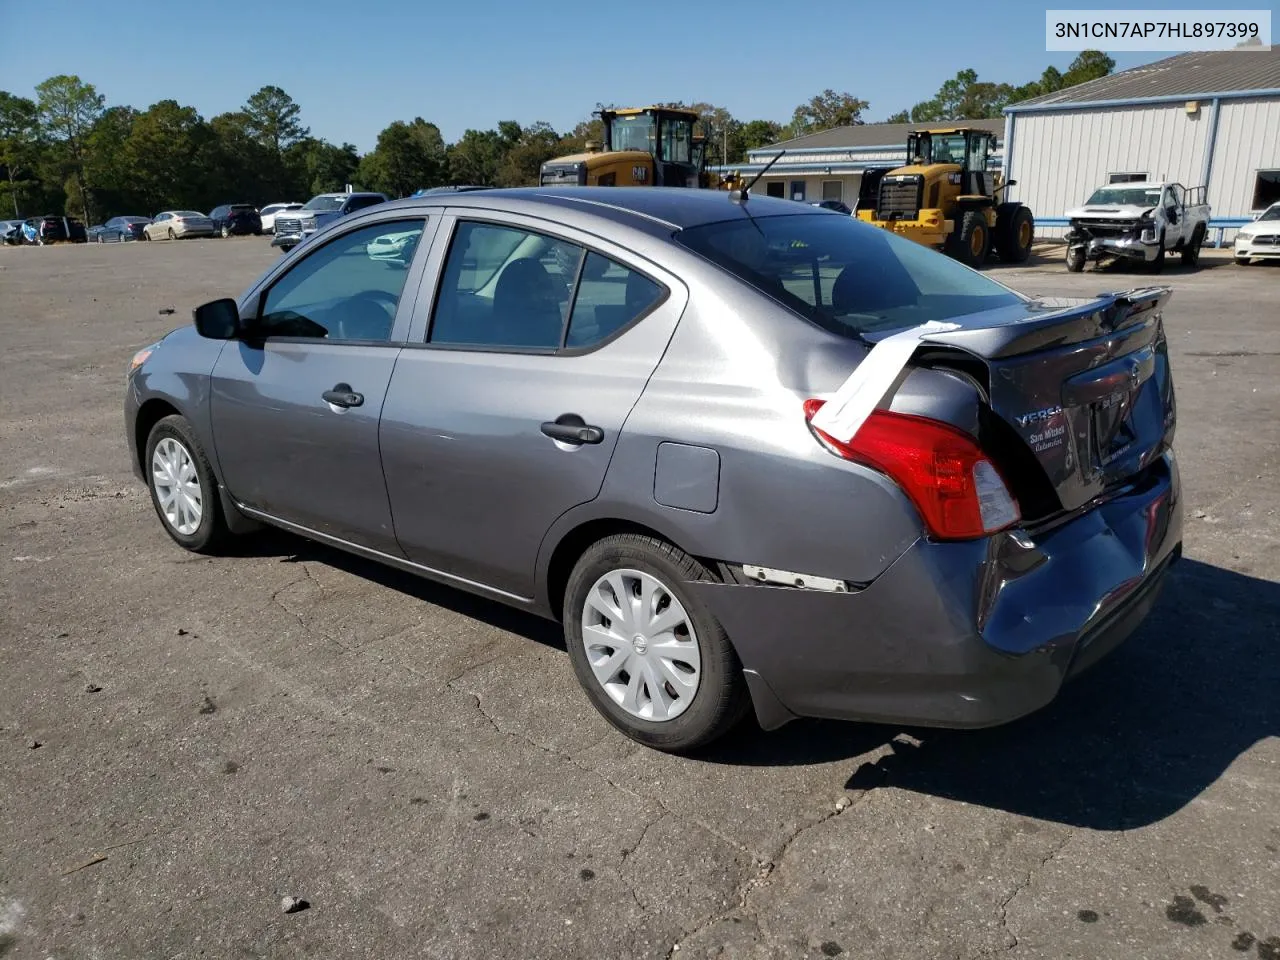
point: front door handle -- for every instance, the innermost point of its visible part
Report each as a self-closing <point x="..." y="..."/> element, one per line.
<point x="571" y="428"/>
<point x="342" y="396"/>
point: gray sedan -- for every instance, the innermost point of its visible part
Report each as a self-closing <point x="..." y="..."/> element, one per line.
<point x="753" y="455"/>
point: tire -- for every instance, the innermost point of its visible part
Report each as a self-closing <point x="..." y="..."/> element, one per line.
<point x="719" y="699"/>
<point x="1075" y="259"/>
<point x="1015" y="232"/>
<point x="972" y="242"/>
<point x="1191" y="252"/>
<point x="1157" y="265"/>
<point x="1243" y="261"/>
<point x="226" y="231"/>
<point x="172" y="235"/>
<point x="171" y="446"/>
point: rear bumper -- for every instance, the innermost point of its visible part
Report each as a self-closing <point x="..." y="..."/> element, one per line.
<point x="960" y="634"/>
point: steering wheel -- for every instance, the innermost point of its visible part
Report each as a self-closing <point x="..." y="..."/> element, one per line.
<point x="355" y="323"/>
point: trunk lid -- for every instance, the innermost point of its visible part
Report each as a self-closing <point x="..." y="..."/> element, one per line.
<point x="1080" y="389"/>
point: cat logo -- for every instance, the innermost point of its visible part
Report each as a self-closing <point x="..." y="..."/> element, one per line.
<point x="640" y="174"/>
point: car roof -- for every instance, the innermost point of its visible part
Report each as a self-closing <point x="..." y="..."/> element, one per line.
<point x="673" y="208"/>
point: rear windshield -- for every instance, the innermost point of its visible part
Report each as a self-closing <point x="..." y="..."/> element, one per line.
<point x="846" y="276"/>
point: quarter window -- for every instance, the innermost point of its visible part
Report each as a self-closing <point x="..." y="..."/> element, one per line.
<point x="348" y="289"/>
<point x="610" y="296"/>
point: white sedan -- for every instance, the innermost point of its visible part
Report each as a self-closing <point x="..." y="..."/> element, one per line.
<point x="395" y="247"/>
<point x="269" y="212"/>
<point x="1261" y="238"/>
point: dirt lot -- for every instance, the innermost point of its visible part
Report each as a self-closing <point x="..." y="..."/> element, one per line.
<point x="185" y="741"/>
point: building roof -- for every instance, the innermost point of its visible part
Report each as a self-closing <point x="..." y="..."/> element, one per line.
<point x="1187" y="74"/>
<point x="873" y="135"/>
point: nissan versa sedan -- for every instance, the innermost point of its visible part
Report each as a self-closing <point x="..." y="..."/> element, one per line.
<point x="752" y="454"/>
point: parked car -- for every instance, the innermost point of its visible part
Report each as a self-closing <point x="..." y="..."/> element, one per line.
<point x="10" y="231"/>
<point x="177" y="224"/>
<point x="298" y="225"/>
<point x="837" y="205"/>
<point x="40" y="231"/>
<point x="1260" y="239"/>
<point x="271" y="210"/>
<point x="236" y="218"/>
<point x="634" y="414"/>
<point x="452" y="188"/>
<point x="1139" y="222"/>
<point x="124" y="228"/>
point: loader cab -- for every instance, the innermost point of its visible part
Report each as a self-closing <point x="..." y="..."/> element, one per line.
<point x="970" y="150"/>
<point x="665" y="134"/>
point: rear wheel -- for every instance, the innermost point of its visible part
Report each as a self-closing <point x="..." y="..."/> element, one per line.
<point x="651" y="658"/>
<point x="183" y="488"/>
<point x="972" y="242"/>
<point x="1014" y="235"/>
<point x="172" y="235"/>
<point x="1075" y="259"/>
<point x="1191" y="252"/>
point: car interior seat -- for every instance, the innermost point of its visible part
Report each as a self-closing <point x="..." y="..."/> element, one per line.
<point x="526" y="306"/>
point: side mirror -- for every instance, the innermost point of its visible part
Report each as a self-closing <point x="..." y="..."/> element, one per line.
<point x="217" y="319"/>
<point x="1011" y="183"/>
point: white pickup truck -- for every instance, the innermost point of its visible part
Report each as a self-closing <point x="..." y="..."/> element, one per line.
<point x="1138" y="221"/>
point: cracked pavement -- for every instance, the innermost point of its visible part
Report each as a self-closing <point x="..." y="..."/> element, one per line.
<point x="216" y="734"/>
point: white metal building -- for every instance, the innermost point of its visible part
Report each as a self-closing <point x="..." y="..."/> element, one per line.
<point x="1198" y="118"/>
<point x="829" y="165"/>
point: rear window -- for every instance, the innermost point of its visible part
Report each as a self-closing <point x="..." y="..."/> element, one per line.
<point x="848" y="277"/>
<point x="242" y="208"/>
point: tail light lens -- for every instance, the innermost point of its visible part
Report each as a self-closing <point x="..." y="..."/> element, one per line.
<point x="957" y="489"/>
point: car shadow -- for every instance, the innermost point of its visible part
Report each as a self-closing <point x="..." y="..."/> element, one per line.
<point x="1130" y="742"/>
<point x="1127" y="744"/>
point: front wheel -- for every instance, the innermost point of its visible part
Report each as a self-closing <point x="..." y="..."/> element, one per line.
<point x="1243" y="261"/>
<point x="971" y="243"/>
<point x="183" y="488"/>
<point x="651" y="658"/>
<point x="1191" y="253"/>
<point x="1157" y="265"/>
<point x="1075" y="259"/>
<point x="172" y="235"/>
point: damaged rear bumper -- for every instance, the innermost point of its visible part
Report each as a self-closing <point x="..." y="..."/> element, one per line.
<point x="968" y="634"/>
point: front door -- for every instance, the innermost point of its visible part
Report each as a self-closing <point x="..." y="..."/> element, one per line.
<point x="295" y="408"/>
<point x="506" y="417"/>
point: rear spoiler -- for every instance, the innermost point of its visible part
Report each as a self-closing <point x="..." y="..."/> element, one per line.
<point x="1105" y="313"/>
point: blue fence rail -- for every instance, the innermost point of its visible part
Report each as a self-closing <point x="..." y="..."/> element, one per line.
<point x="1217" y="225"/>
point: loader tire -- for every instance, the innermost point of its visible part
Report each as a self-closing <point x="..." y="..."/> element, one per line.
<point x="971" y="243"/>
<point x="1015" y="231"/>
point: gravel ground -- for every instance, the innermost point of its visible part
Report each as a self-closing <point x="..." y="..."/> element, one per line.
<point x="184" y="741"/>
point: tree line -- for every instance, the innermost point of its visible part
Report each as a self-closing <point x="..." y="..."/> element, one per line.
<point x="67" y="150"/>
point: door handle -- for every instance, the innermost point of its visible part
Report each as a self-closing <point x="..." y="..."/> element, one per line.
<point x="571" y="428"/>
<point x="342" y="396"/>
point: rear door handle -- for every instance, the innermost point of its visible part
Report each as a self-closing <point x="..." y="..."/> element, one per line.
<point x="571" y="428"/>
<point x="342" y="396"/>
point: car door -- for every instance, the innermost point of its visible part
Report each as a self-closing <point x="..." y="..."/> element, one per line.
<point x="505" y="407"/>
<point x="295" y="402"/>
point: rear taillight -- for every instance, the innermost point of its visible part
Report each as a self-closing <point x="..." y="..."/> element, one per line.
<point x="957" y="489"/>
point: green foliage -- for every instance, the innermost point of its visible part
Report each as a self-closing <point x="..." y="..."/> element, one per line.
<point x="827" y="110"/>
<point x="408" y="156"/>
<point x="19" y="151"/>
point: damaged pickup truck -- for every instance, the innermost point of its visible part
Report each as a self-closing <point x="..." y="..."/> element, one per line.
<point x="1139" y="222"/>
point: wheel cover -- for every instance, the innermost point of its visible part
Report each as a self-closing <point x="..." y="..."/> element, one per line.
<point x="977" y="241"/>
<point x="641" y="645"/>
<point x="177" y="486"/>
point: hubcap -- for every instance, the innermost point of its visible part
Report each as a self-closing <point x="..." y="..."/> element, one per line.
<point x="1024" y="234"/>
<point x="641" y="645"/>
<point x="177" y="486"/>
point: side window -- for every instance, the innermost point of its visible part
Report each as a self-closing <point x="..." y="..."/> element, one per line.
<point x="348" y="289"/>
<point x="505" y="287"/>
<point x="1175" y="194"/>
<point x="609" y="297"/>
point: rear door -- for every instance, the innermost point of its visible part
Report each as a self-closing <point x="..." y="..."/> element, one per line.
<point x="295" y="408"/>
<point x="505" y="413"/>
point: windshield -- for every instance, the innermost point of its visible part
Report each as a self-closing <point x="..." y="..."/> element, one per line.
<point x="1271" y="213"/>
<point x="1127" y="196"/>
<point x="845" y="276"/>
<point x="324" y="204"/>
<point x="632" y="133"/>
<point x="937" y="148"/>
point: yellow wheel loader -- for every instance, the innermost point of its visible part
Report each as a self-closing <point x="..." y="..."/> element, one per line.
<point x="946" y="198"/>
<point x="643" y="146"/>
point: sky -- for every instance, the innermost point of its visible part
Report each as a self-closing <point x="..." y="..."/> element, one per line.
<point x="355" y="67"/>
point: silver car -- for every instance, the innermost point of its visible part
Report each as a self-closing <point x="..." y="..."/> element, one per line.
<point x="754" y="455"/>
<point x="177" y="224"/>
